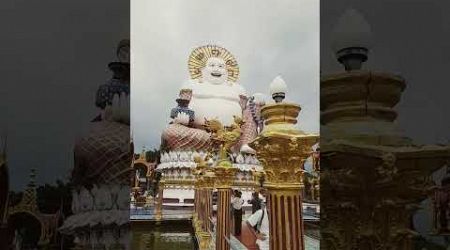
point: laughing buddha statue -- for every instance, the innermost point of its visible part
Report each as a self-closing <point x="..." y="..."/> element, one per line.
<point x="211" y="93"/>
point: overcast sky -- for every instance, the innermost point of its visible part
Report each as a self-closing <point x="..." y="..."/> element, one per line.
<point x="266" y="37"/>
<point x="54" y="56"/>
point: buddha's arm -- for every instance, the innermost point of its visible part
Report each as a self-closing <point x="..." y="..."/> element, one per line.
<point x="226" y="92"/>
<point x="216" y="96"/>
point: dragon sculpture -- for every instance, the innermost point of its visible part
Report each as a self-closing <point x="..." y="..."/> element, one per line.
<point x="223" y="136"/>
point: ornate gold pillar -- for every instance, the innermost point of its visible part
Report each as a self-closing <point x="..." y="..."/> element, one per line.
<point x="208" y="189"/>
<point x="204" y="181"/>
<point x="202" y="213"/>
<point x="225" y="175"/>
<point x="282" y="149"/>
<point x="159" y="203"/>
<point x="197" y="216"/>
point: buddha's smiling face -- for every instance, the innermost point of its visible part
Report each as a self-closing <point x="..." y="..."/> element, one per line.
<point x="215" y="71"/>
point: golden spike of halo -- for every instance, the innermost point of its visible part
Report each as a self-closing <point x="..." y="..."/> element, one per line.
<point x="199" y="56"/>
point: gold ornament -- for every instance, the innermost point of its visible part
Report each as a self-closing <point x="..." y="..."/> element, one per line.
<point x="281" y="148"/>
<point x="204" y="240"/>
<point x="225" y="137"/>
<point x="224" y="176"/>
<point x="199" y="56"/>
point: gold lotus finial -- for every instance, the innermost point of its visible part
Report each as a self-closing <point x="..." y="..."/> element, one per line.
<point x="199" y="56"/>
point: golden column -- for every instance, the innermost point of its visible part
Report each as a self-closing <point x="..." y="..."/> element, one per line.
<point x="159" y="203"/>
<point x="198" y="215"/>
<point x="208" y="186"/>
<point x="282" y="149"/>
<point x="196" y="202"/>
<point x="225" y="175"/>
<point x="202" y="211"/>
<point x="199" y="202"/>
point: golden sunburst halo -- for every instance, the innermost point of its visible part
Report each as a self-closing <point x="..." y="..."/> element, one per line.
<point x="199" y="56"/>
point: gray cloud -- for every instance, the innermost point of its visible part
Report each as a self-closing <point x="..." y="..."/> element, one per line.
<point x="54" y="57"/>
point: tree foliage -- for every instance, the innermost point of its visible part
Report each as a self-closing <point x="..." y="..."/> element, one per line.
<point x="53" y="197"/>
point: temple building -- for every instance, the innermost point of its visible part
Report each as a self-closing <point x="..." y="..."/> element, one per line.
<point x="25" y="226"/>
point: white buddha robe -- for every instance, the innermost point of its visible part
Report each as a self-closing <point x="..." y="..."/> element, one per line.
<point x="263" y="228"/>
<point x="212" y="101"/>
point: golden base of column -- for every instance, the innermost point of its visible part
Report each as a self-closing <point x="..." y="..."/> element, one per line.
<point x="159" y="201"/>
<point x="204" y="240"/>
<point x="224" y="164"/>
<point x="198" y="225"/>
<point x="208" y="189"/>
<point x="158" y="216"/>
<point x="158" y="212"/>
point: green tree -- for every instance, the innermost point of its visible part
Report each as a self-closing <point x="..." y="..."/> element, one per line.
<point x="50" y="197"/>
<point x="152" y="155"/>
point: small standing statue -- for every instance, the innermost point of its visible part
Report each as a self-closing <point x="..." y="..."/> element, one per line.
<point x="113" y="97"/>
<point x="136" y="180"/>
<point x="182" y="114"/>
<point x="316" y="160"/>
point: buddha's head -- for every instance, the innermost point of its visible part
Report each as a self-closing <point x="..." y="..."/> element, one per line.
<point x="215" y="71"/>
<point x="213" y="64"/>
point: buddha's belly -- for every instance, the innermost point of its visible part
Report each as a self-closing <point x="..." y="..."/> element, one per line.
<point x="213" y="108"/>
